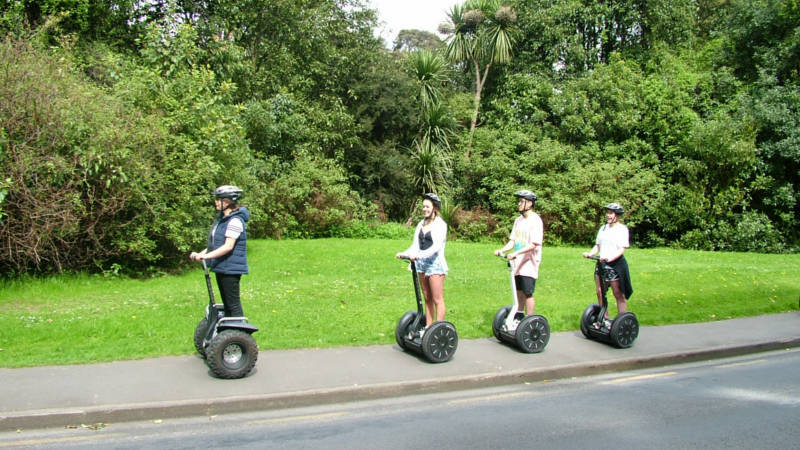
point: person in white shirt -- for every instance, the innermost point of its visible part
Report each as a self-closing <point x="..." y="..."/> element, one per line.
<point x="612" y="240"/>
<point x="427" y="252"/>
<point x="525" y="244"/>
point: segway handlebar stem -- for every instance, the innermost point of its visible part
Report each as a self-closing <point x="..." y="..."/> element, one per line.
<point x="514" y="304"/>
<point x="208" y="283"/>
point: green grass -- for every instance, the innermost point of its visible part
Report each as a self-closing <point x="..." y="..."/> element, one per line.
<point x="335" y="292"/>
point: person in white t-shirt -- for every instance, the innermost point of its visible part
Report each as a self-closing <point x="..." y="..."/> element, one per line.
<point x="525" y="246"/>
<point x="612" y="240"/>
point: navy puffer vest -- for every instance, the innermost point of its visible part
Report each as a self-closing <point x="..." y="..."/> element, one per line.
<point x="234" y="262"/>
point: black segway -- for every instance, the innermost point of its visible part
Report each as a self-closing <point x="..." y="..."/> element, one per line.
<point x="619" y="332"/>
<point x="438" y="343"/>
<point x="226" y="343"/>
<point x="530" y="334"/>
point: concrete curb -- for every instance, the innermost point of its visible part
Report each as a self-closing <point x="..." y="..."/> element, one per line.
<point x="240" y="404"/>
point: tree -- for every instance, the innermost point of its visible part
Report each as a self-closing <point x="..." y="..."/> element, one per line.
<point x="480" y="35"/>
<point x="430" y="159"/>
<point x="411" y="40"/>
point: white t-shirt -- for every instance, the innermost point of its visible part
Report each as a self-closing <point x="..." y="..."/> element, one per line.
<point x="610" y="240"/>
<point x="523" y="233"/>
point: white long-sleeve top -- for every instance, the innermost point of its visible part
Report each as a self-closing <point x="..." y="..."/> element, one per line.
<point x="438" y="235"/>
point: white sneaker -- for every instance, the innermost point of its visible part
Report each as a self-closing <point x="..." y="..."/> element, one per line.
<point x="415" y="334"/>
<point x="511" y="326"/>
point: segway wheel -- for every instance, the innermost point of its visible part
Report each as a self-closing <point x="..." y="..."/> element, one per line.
<point x="533" y="334"/>
<point x="499" y="318"/>
<point x="232" y="354"/>
<point x="624" y="330"/>
<point x="200" y="335"/>
<point x="588" y="318"/>
<point x="440" y="341"/>
<point x="404" y="328"/>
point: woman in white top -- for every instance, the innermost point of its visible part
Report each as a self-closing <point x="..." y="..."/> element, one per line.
<point x="427" y="252"/>
<point x="612" y="240"/>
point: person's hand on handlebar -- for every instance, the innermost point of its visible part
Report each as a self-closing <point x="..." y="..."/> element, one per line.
<point x="194" y="256"/>
<point x="405" y="256"/>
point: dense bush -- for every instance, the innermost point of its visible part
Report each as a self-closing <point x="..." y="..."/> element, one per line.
<point x="308" y="197"/>
<point x="99" y="177"/>
<point x="78" y="166"/>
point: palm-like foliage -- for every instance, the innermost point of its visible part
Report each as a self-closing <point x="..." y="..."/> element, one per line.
<point x="431" y="165"/>
<point x="480" y="34"/>
<point x="436" y="125"/>
<point x="428" y="69"/>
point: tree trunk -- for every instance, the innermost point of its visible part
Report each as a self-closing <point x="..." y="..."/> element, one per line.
<point x="479" y="81"/>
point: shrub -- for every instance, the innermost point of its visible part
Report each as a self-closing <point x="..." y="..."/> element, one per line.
<point x="473" y="225"/>
<point x="373" y="230"/>
<point x="308" y="197"/>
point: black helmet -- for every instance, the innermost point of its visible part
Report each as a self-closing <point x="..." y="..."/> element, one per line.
<point x="433" y="198"/>
<point x="526" y="194"/>
<point x="616" y="208"/>
<point x="227" y="191"/>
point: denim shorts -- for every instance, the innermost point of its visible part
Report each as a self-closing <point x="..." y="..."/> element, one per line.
<point x="431" y="266"/>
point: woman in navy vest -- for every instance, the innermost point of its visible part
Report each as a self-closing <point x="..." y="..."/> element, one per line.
<point x="227" y="247"/>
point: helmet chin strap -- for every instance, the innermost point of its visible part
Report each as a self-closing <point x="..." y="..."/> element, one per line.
<point x="528" y="206"/>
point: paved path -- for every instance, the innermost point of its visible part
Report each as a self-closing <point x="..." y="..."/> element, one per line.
<point x="182" y="386"/>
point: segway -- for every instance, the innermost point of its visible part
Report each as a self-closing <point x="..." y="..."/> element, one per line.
<point x="226" y="343"/>
<point x="619" y="332"/>
<point x="438" y="343"/>
<point x="530" y="334"/>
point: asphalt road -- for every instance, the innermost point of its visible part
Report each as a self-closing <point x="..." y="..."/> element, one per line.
<point x="746" y="402"/>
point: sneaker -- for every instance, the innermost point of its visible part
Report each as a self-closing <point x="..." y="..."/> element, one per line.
<point x="509" y="327"/>
<point x="416" y="334"/>
<point x="607" y="323"/>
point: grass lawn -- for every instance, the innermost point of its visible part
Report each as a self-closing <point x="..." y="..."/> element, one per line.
<point x="335" y="292"/>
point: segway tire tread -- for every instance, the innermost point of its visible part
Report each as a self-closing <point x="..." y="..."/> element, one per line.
<point x="440" y="342"/>
<point x="497" y="323"/>
<point x="200" y="336"/>
<point x="533" y="334"/>
<point x="403" y="328"/>
<point x="232" y="354"/>
<point x="588" y="319"/>
<point x="624" y="330"/>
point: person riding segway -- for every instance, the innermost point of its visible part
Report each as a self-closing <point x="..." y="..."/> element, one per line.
<point x="517" y="323"/>
<point x="428" y="333"/>
<point x="612" y="271"/>
<point x="224" y="336"/>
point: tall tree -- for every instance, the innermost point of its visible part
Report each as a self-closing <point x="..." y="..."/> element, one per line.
<point x="480" y="35"/>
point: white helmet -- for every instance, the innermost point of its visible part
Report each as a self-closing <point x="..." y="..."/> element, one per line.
<point x="227" y="191"/>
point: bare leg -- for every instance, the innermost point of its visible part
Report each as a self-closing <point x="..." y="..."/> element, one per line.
<point x="424" y="282"/>
<point x="525" y="303"/>
<point x="598" y="288"/>
<point x="436" y="283"/>
<point x="622" y="302"/>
